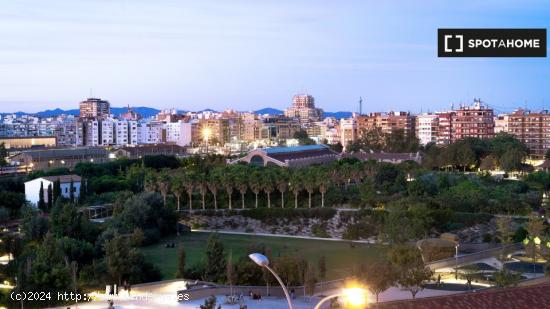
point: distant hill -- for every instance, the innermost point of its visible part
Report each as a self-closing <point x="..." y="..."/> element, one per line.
<point x="270" y="111"/>
<point x="338" y="115"/>
<point x="147" y="112"/>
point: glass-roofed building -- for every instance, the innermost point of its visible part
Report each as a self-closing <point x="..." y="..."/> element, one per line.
<point x="298" y="156"/>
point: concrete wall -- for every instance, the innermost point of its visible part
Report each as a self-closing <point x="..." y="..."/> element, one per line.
<point x="200" y="293"/>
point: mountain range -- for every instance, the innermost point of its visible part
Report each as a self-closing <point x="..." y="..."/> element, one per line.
<point x="147" y="112"/>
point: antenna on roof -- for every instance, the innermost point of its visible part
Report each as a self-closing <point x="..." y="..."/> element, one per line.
<point x="360" y="106"/>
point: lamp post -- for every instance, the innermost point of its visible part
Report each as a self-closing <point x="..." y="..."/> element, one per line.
<point x="355" y="297"/>
<point x="262" y="261"/>
<point x="456" y="260"/>
<point x="536" y="242"/>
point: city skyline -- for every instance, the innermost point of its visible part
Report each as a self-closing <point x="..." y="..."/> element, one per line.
<point x="246" y="56"/>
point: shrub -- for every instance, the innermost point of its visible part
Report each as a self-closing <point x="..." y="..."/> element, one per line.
<point x="320" y="230"/>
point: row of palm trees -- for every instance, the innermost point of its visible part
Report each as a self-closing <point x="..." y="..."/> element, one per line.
<point x="242" y="178"/>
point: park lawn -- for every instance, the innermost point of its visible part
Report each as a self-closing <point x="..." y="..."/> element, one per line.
<point x="340" y="256"/>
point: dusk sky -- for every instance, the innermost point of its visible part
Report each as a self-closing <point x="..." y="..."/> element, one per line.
<point x="248" y="55"/>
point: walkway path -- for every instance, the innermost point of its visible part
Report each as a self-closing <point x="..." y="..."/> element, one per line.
<point x="283" y="235"/>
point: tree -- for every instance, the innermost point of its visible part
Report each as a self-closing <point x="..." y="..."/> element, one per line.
<point x="282" y="184"/>
<point x="296" y="185"/>
<point x="181" y="262"/>
<point x="255" y="183"/>
<point x="3" y="155"/>
<point x="310" y="182"/>
<point x="323" y="181"/>
<point x="379" y="276"/>
<point x="309" y="280"/>
<point x="50" y="196"/>
<point x="408" y="263"/>
<point x="83" y="194"/>
<point x="203" y="188"/>
<point x="465" y="156"/>
<point x="505" y="278"/>
<point x="71" y="191"/>
<point x="48" y="271"/>
<point x="241" y="181"/>
<point x="189" y="183"/>
<point x="41" y="203"/>
<point x="227" y="183"/>
<point x="56" y="190"/>
<point x="117" y="257"/>
<point x="177" y="188"/>
<point x="414" y="279"/>
<point x="512" y="160"/>
<point x="505" y="232"/>
<point x="230" y="272"/>
<point x="213" y="186"/>
<point x="267" y="182"/>
<point x="215" y="263"/>
<point x="163" y="184"/>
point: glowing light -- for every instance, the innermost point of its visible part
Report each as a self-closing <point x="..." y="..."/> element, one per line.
<point x="206" y="132"/>
<point x="537" y="240"/>
<point x="355" y="296"/>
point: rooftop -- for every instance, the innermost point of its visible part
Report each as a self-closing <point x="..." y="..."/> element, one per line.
<point x="537" y="296"/>
<point x="66" y="153"/>
<point x="63" y="178"/>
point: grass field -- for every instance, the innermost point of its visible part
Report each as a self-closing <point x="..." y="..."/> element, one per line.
<point x="340" y="256"/>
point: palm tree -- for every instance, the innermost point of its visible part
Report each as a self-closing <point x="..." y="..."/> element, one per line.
<point x="323" y="182"/>
<point x="150" y="182"/>
<point x="335" y="175"/>
<point x="357" y="172"/>
<point x="267" y="182"/>
<point x="310" y="182"/>
<point x="163" y="182"/>
<point x="203" y="188"/>
<point x="176" y="186"/>
<point x="189" y="184"/>
<point x="296" y="185"/>
<point x="214" y="185"/>
<point x="227" y="183"/>
<point x="255" y="184"/>
<point x="241" y="181"/>
<point x="282" y="184"/>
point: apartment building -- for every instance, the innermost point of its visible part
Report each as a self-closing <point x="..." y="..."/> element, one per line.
<point x="473" y="121"/>
<point x="533" y="129"/>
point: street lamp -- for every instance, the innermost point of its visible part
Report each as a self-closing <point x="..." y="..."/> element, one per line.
<point x="263" y="261"/>
<point x="354" y="296"/>
<point x="456" y="260"/>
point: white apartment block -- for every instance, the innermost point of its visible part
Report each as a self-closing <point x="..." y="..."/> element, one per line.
<point x="426" y="128"/>
<point x="150" y="132"/>
<point x="178" y="133"/>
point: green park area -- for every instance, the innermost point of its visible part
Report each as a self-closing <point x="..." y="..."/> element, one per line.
<point x="340" y="256"/>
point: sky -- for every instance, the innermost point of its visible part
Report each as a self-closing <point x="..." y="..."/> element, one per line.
<point x="247" y="55"/>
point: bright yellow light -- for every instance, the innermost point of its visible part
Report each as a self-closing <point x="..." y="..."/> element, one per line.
<point x="355" y="296"/>
<point x="537" y="240"/>
<point x="206" y="132"/>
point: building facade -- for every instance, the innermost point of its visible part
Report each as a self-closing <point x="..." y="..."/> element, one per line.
<point x="94" y="108"/>
<point x="303" y="109"/>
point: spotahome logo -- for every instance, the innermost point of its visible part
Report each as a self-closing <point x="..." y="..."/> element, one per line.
<point x="491" y="42"/>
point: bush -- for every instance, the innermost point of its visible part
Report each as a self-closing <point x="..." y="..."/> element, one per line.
<point x="359" y="230"/>
<point x="320" y="230"/>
